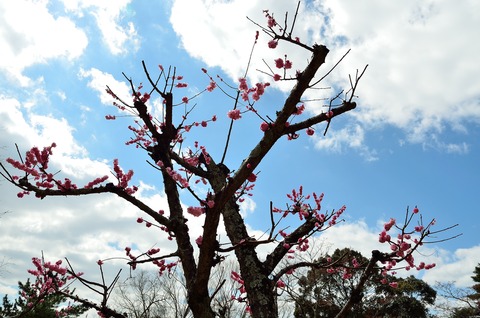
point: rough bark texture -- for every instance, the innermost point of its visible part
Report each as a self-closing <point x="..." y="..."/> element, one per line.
<point x="260" y="288"/>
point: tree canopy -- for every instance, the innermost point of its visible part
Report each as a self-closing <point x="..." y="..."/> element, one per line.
<point x="323" y="292"/>
<point x="50" y="306"/>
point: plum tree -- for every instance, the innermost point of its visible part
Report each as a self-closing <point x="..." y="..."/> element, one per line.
<point x="190" y="167"/>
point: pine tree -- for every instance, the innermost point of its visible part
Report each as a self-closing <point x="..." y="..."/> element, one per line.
<point x="48" y="307"/>
<point x="324" y="292"/>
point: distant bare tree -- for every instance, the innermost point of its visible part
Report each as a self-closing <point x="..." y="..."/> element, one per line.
<point x="149" y="295"/>
<point x="457" y="302"/>
<point x="3" y="262"/>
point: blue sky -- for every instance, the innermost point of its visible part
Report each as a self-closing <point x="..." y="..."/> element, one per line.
<point x="413" y="139"/>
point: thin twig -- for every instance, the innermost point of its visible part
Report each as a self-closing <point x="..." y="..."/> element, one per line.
<point x="336" y="64"/>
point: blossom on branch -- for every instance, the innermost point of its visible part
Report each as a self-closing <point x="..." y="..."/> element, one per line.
<point x="234" y="114"/>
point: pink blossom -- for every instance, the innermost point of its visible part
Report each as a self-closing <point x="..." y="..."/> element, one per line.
<point x="288" y="64"/>
<point x="234" y="114"/>
<point x="415" y="210"/>
<point x="279" y="63"/>
<point x="211" y="86"/>
<point x="280" y="284"/>
<point x="199" y="240"/>
<point x="271" y="21"/>
<point x="95" y="182"/>
<point x="243" y="84"/>
<point x="153" y="251"/>
<point x="236" y="277"/>
<point x="185" y="100"/>
<point x="252" y="177"/>
<point x="277" y="77"/>
<point x="264" y="126"/>
<point x="300" y="109"/>
<point x="430" y="266"/>
<point x="384" y="237"/>
<point x="100" y="262"/>
<point x="389" y="224"/>
<point x="272" y="44"/>
<point x="310" y="131"/>
<point x="195" y="211"/>
<point x="393" y="284"/>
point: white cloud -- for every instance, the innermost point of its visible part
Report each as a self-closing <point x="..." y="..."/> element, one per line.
<point x="30" y="34"/>
<point x="98" y="81"/>
<point x="422" y="78"/>
<point x="28" y="129"/>
<point x="457" y="266"/>
<point x="347" y="137"/>
<point x="108" y="15"/>
<point x="247" y="206"/>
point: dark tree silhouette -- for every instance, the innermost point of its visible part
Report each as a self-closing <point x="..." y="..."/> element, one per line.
<point x="50" y="306"/>
<point x="323" y="292"/>
<point x="468" y="297"/>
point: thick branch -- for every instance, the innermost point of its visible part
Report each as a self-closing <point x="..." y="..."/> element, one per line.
<point x="108" y="188"/>
<point x="277" y="130"/>
<point x="356" y="295"/>
<point x="346" y="106"/>
<point x="280" y="251"/>
<point x="104" y="310"/>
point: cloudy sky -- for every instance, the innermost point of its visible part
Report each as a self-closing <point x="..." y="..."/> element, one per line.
<point x="412" y="140"/>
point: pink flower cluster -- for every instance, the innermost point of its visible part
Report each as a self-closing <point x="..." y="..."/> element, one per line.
<point x="306" y="210"/>
<point x="36" y="165"/>
<point x="405" y="243"/>
<point x="281" y="63"/>
<point x="237" y="278"/>
<point x="128" y="252"/>
<point x="35" y="160"/>
<point x="196" y="210"/>
<point x="124" y="178"/>
<point x="137" y="95"/>
<point x="203" y="123"/>
<point x="96" y="181"/>
<point x="256" y="92"/>
<point x="49" y="278"/>
<point x="211" y="86"/>
<point x="141" y="136"/>
<point x="234" y="114"/>
<point x="177" y="177"/>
